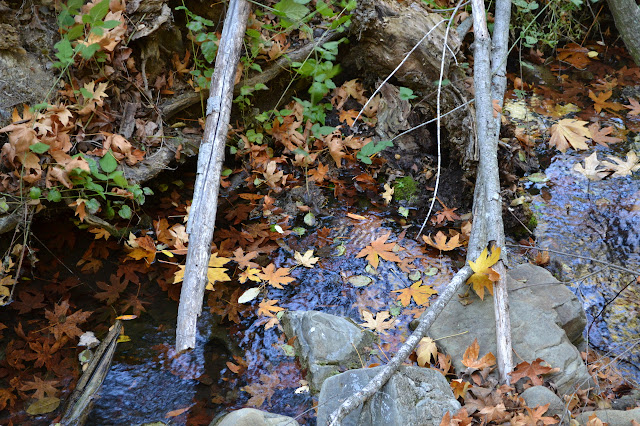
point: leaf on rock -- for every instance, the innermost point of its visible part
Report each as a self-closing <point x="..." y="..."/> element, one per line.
<point x="482" y="272"/>
<point x="426" y="351"/>
<point x="569" y="133"/>
<point x="532" y="371"/>
<point x="470" y="357"/>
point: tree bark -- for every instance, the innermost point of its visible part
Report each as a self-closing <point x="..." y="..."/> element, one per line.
<point x="210" y="158"/>
<point x="626" y="15"/>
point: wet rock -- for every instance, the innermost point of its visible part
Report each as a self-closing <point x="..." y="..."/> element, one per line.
<point x="413" y="396"/>
<point x="253" y="417"/>
<point x="326" y="344"/>
<point x="612" y="417"/>
<point x="539" y="395"/>
<point x="543" y="314"/>
<point x="626" y="402"/>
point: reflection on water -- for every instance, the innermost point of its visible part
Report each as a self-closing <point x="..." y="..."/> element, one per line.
<point x="600" y="220"/>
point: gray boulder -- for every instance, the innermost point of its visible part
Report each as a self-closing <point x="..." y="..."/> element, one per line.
<point x="543" y="314"/>
<point x="612" y="417"/>
<point x="253" y="417"/>
<point x="326" y="344"/>
<point x="413" y="396"/>
<point x="539" y="395"/>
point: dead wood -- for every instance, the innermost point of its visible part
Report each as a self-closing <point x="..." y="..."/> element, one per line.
<point x="210" y="158"/>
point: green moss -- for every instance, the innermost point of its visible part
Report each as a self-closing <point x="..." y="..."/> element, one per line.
<point x="404" y="188"/>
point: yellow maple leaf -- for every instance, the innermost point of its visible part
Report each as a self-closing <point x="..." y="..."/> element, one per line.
<point x="419" y="292"/>
<point x="482" y="272"/>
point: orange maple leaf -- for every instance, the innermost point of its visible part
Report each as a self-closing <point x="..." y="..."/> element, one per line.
<point x="532" y="371"/>
<point x="600" y="101"/>
<point x="61" y="323"/>
<point x="268" y="308"/>
<point x="348" y="116"/>
<point x="275" y="277"/>
<point x="459" y="387"/>
<point x="378" y="248"/>
<point x="470" y="357"/>
<point x="419" y="292"/>
<point x="440" y="241"/>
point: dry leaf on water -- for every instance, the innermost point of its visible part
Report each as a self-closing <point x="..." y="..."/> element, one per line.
<point x="569" y="133"/>
<point x="378" y="323"/>
<point x="440" y="241"/>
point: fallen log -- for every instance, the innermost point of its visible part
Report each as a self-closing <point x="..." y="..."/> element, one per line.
<point x="210" y="158"/>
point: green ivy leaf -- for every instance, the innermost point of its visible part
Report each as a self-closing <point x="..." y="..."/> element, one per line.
<point x="54" y="195"/>
<point x="35" y="193"/>
<point x="125" y="212"/>
<point x="92" y="206"/>
<point x="119" y="179"/>
<point x="108" y="162"/>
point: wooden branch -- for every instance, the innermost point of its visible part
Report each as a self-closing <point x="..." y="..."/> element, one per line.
<point x="427" y="318"/>
<point x="487" y="208"/>
<point x="205" y="195"/>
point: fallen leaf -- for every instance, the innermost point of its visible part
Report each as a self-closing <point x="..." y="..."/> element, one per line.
<point x="378" y="323"/>
<point x="634" y="107"/>
<point x="623" y="168"/>
<point x="419" y="292"/>
<point x="601" y="136"/>
<point x="481" y="270"/>
<point x="275" y="277"/>
<point x="470" y="357"/>
<point x="249" y="295"/>
<point x="307" y="260"/>
<point x="387" y="195"/>
<point x="600" y="101"/>
<point x="440" y="241"/>
<point x="569" y="133"/>
<point x="426" y="351"/>
<point x="459" y="387"/>
<point x="268" y="308"/>
<point x="532" y="371"/>
<point x="378" y="248"/>
<point x="590" y="169"/>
